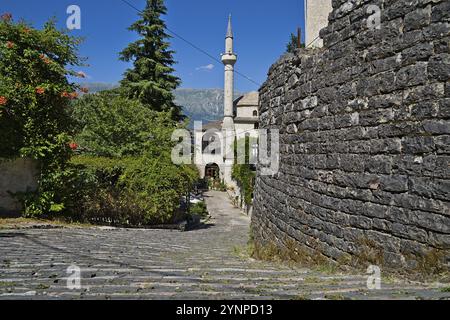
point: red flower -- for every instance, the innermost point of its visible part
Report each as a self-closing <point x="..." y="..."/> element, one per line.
<point x="45" y="59"/>
<point x="70" y="95"/>
<point x="6" y="16"/>
<point x="10" y="44"/>
<point x="3" y="100"/>
<point x="73" y="146"/>
<point x="40" y="90"/>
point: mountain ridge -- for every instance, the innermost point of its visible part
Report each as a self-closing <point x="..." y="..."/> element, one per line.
<point x="198" y="104"/>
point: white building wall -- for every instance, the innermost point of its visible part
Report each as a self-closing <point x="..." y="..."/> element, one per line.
<point x="316" y="19"/>
<point x="246" y="112"/>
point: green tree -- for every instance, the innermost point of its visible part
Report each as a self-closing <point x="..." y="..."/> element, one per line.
<point x="293" y="44"/>
<point x="151" y="79"/>
<point x="35" y="91"/>
<point x="110" y="125"/>
<point x="35" y="96"/>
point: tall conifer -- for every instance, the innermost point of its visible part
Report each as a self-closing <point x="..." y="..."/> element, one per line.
<point x="151" y="78"/>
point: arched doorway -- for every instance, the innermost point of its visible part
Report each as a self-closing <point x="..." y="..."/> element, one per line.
<point x="212" y="170"/>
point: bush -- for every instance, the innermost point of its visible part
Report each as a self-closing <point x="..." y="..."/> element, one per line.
<point x="158" y="186"/>
<point x="126" y="148"/>
<point x="244" y="174"/>
<point x="109" y="125"/>
<point x="199" y="209"/>
<point x="35" y="92"/>
<point x="35" y="96"/>
<point x="132" y="191"/>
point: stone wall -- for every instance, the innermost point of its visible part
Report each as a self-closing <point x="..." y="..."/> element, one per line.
<point x="17" y="175"/>
<point x="365" y="138"/>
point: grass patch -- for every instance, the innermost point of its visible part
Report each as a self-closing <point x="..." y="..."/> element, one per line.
<point x="42" y="287"/>
<point x="6" y="284"/>
<point x="445" y="290"/>
<point x="293" y="254"/>
<point x="12" y="223"/>
<point x="242" y="252"/>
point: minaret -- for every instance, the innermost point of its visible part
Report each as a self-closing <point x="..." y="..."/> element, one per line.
<point x="228" y="59"/>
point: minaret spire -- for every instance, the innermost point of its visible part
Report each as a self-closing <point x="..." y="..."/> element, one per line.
<point x="230" y="29"/>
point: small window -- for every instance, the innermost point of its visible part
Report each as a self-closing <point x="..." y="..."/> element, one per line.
<point x="255" y="113"/>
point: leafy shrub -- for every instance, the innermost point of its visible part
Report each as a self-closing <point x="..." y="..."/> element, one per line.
<point x="199" y="209"/>
<point x="127" y="148"/>
<point x="35" y="92"/>
<point x="158" y="185"/>
<point x="132" y="191"/>
<point x="110" y="125"/>
<point x="244" y="174"/>
<point x="35" y="96"/>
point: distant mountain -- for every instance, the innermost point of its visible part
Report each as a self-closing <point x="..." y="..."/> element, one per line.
<point x="99" y="86"/>
<point x="198" y="104"/>
<point x="202" y="104"/>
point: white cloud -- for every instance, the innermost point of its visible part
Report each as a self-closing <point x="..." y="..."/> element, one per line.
<point x="208" y="67"/>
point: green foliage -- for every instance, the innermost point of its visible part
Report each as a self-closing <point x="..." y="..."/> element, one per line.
<point x="216" y="184"/>
<point x="113" y="126"/>
<point x="33" y="77"/>
<point x="123" y="173"/>
<point x="199" y="209"/>
<point x="292" y="46"/>
<point x="151" y="80"/>
<point x="133" y="191"/>
<point x="243" y="173"/>
<point x="59" y="190"/>
<point x="157" y="186"/>
<point x="34" y="102"/>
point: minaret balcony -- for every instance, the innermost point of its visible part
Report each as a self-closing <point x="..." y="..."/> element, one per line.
<point x="229" y="58"/>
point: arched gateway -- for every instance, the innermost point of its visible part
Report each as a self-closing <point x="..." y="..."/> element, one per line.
<point x="212" y="170"/>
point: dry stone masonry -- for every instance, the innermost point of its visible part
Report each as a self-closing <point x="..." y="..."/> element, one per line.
<point x="365" y="139"/>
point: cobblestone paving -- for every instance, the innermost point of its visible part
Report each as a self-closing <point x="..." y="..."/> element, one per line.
<point x="163" y="264"/>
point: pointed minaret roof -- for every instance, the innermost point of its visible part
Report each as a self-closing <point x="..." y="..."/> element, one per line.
<point x="229" y="30"/>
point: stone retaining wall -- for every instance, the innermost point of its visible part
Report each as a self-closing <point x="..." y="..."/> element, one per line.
<point x="365" y="138"/>
<point x="16" y="175"/>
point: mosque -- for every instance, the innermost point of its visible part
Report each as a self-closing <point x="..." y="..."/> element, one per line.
<point x="242" y="115"/>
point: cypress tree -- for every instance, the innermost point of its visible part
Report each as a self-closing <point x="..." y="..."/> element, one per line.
<point x="151" y="80"/>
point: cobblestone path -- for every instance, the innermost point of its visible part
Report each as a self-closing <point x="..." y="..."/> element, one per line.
<point x="163" y="264"/>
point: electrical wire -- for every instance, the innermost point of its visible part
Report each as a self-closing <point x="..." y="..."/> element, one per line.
<point x="195" y="46"/>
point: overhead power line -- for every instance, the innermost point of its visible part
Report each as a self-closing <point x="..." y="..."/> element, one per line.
<point x="195" y="46"/>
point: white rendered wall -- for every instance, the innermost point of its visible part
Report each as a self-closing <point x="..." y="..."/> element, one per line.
<point x="316" y="18"/>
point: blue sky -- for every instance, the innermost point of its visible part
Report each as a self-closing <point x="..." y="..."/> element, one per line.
<point x="261" y="30"/>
